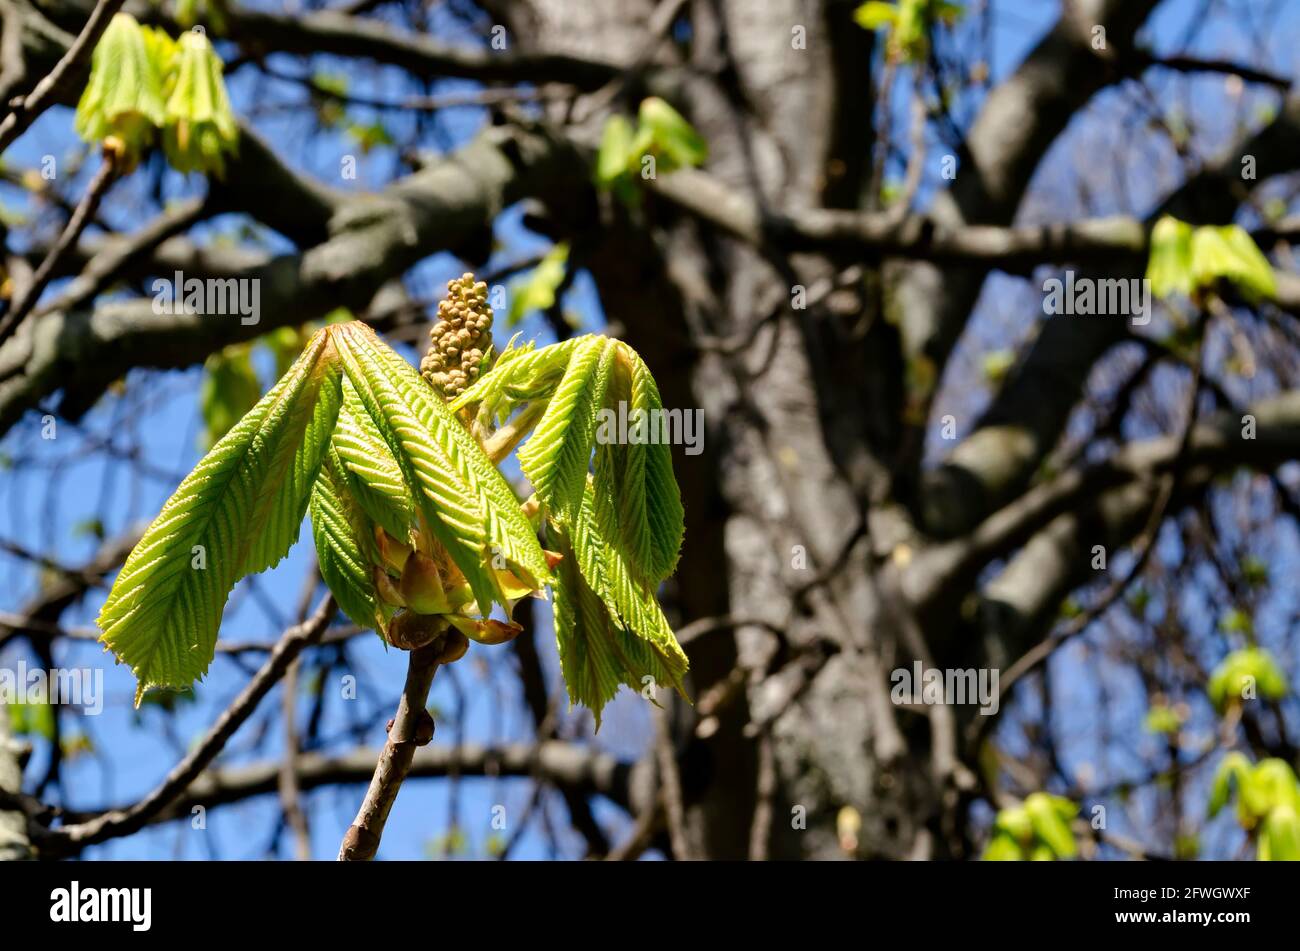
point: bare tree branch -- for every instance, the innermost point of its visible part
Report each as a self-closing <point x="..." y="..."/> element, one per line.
<point x="72" y="838"/>
<point x="44" y="94"/>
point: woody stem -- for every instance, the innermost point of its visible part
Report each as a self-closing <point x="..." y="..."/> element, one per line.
<point x="361" y="841"/>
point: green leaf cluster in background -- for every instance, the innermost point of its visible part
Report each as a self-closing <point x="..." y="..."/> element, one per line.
<point x="1251" y="670"/>
<point x="142" y="83"/>
<point x="660" y="131"/>
<point x="328" y="91"/>
<point x="1188" y="260"/>
<point x="31" y="719"/>
<point x="200" y="127"/>
<point x="123" y="99"/>
<point x="1268" y="803"/>
<point x="212" y="12"/>
<point x="537" y="290"/>
<point x="1163" y="719"/>
<point x="231" y="386"/>
<point x="1038" y="830"/>
<point x="907" y="24"/>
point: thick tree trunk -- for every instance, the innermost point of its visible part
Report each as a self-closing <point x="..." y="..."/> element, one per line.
<point x="786" y="112"/>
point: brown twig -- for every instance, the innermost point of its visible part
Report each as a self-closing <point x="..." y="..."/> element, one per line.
<point x="290" y="794"/>
<point x="670" y="785"/>
<point x="42" y="96"/>
<point x="85" y="211"/>
<point x="412" y="727"/>
<point x="642" y="835"/>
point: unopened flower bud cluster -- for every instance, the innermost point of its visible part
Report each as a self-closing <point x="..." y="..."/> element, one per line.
<point x="459" y="339"/>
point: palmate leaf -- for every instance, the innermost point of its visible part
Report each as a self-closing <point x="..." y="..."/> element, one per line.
<point x="598" y="653"/>
<point x="584" y="634"/>
<point x="238" y="511"/>
<point x="580" y="381"/>
<point x="372" y="474"/>
<point x="609" y="626"/>
<point x="344" y="549"/>
<point x="466" y="502"/>
<point x="557" y="455"/>
<point x="646" y="520"/>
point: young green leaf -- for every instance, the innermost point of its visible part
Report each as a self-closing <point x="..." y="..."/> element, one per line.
<point x="1232" y="772"/>
<point x="597" y="651"/>
<point x="34" y="718"/>
<point x="467" y="503"/>
<point x="1244" y="674"/>
<point x="874" y="14"/>
<point x="281" y="506"/>
<point x="615" y="155"/>
<point x="652" y="649"/>
<point x="671" y="135"/>
<point x="1003" y="848"/>
<point x="1280" y="839"/>
<point x="520" y="373"/>
<point x="371" y="472"/>
<point x="1272" y="783"/>
<point x="1227" y="251"/>
<point x="1050" y="822"/>
<point x="1184" y="259"/>
<point x="639" y="476"/>
<point x="230" y="389"/>
<point x="1169" y="268"/>
<point x="201" y="127"/>
<point x="580" y="380"/>
<point x="163" y="612"/>
<point x="123" y="97"/>
<point x="557" y="456"/>
<point x="584" y="637"/>
<point x="344" y="549"/>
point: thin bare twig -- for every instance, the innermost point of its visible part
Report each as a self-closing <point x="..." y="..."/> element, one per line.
<point x="412" y="727"/>
<point x="86" y="209"/>
<point x="42" y="96"/>
<point x="1044" y="649"/>
<point x="120" y="822"/>
<point x="290" y="794"/>
<point x="670" y="785"/>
